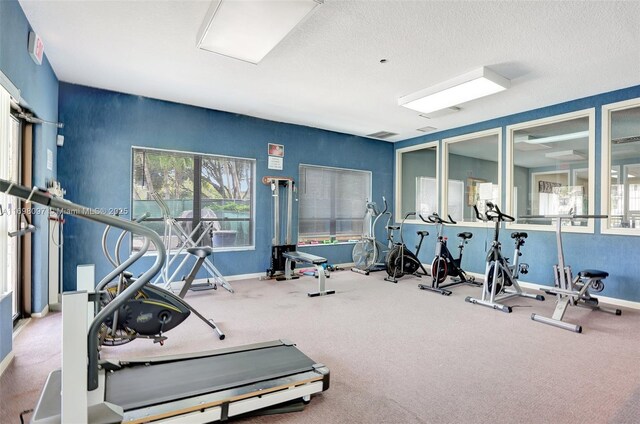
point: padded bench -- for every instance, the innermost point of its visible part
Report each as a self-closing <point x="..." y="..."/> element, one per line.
<point x="306" y="258"/>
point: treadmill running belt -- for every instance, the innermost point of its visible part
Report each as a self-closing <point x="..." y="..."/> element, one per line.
<point x="141" y="385"/>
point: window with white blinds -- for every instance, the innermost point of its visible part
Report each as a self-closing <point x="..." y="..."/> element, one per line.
<point x="331" y="203"/>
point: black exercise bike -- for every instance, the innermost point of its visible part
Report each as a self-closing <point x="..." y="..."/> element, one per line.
<point x="444" y="264"/>
<point x="401" y="261"/>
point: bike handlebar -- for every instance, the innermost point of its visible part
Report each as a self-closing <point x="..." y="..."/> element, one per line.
<point x="493" y="213"/>
<point x="434" y="218"/>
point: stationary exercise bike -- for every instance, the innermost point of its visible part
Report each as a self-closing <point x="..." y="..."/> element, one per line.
<point x="401" y="261"/>
<point x="368" y="253"/>
<point x="444" y="264"/>
<point x="500" y="278"/>
<point x="151" y="312"/>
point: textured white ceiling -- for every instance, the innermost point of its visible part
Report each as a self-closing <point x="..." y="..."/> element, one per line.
<point x="326" y="73"/>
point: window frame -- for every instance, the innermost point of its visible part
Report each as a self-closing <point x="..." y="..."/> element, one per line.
<point x="252" y="221"/>
<point x="605" y="165"/>
<point x="590" y="114"/>
<point x="397" y="202"/>
<point x="369" y="196"/>
<point x="446" y="142"/>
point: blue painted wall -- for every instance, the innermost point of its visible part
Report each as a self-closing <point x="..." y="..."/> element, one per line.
<point x="39" y="87"/>
<point x="615" y="254"/>
<point x="95" y="164"/>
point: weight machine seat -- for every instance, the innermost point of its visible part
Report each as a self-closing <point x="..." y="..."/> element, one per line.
<point x="393" y="227"/>
<point x="304" y="257"/>
<point x="593" y="273"/>
<point x="465" y="236"/>
<point x="423" y="233"/>
<point x="200" y="251"/>
<point x="518" y="235"/>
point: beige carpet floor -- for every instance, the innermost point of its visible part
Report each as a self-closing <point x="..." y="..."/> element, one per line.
<point x="397" y="354"/>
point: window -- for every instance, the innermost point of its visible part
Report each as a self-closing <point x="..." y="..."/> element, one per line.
<point x="550" y="169"/>
<point x="331" y="203"/>
<point x="417" y="180"/>
<point x="216" y="191"/>
<point x="472" y="174"/>
<point x="621" y="167"/>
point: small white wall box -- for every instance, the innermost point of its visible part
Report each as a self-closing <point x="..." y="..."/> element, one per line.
<point x="60" y="141"/>
<point x="36" y="47"/>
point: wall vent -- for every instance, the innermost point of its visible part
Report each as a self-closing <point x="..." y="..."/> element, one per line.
<point x="382" y="134"/>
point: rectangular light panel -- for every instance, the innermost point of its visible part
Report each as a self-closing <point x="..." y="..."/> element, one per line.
<point x="470" y="86"/>
<point x="249" y="29"/>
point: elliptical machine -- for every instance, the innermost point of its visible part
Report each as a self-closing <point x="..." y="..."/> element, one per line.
<point x="401" y="261"/>
<point x="150" y="313"/>
<point x="499" y="275"/>
<point x="444" y="264"/>
<point x="368" y="253"/>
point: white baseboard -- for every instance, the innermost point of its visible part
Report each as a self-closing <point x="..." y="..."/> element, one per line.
<point x="244" y="276"/>
<point x="20" y="326"/>
<point x="6" y="362"/>
<point x="41" y="314"/>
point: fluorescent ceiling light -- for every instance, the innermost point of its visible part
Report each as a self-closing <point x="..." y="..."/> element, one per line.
<point x="554" y="138"/>
<point x="566" y="155"/>
<point x="249" y="29"/>
<point x="470" y="86"/>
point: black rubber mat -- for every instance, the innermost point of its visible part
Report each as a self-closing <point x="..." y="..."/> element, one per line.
<point x="140" y="385"/>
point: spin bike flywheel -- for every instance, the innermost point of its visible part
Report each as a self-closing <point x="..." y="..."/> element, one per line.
<point x="499" y="281"/>
<point x="439" y="269"/>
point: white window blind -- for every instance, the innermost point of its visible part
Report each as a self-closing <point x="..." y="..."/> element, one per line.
<point x="331" y="203"/>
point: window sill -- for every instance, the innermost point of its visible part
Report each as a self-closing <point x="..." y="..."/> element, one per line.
<point x="215" y="250"/>
<point x="326" y="244"/>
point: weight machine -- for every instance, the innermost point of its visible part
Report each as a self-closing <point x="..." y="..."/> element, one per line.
<point x="284" y="257"/>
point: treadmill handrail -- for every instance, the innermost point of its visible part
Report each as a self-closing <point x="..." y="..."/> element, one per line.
<point x="42" y="197"/>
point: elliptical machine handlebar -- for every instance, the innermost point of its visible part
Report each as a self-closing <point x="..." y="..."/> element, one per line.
<point x="42" y="197"/>
<point x="115" y="260"/>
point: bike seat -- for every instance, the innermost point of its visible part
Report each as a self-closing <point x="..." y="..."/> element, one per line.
<point x="200" y="251"/>
<point x="422" y="233"/>
<point x="465" y="236"/>
<point x="518" y="235"/>
<point x="593" y="273"/>
<point x="393" y="227"/>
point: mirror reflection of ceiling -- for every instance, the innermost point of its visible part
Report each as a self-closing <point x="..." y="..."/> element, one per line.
<point x="625" y="134"/>
<point x="485" y="148"/>
<point x="530" y="150"/>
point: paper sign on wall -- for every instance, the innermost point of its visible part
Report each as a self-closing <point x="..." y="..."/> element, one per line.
<point x="276" y="162"/>
<point x="276" y="156"/>
<point x="49" y="160"/>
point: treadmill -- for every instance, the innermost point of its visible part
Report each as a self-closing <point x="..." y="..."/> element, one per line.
<point x="189" y="388"/>
<point x="206" y="387"/>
